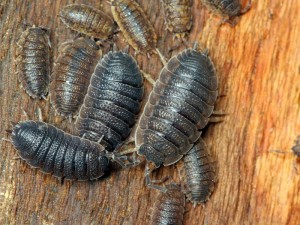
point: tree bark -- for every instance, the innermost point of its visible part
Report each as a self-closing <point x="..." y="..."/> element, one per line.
<point x="258" y="66"/>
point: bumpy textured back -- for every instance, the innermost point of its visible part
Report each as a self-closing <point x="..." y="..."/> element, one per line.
<point x="33" y="61"/>
<point x="88" y="20"/>
<point x="200" y="173"/>
<point x="134" y="24"/>
<point x="178" y="16"/>
<point x="71" y="75"/>
<point x="46" y="147"/>
<point x="169" y="207"/>
<point x="229" y="8"/>
<point x="112" y="102"/>
<point x="179" y="106"/>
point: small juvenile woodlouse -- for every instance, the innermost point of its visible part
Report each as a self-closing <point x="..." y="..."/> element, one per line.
<point x="88" y="20"/>
<point x="180" y="104"/>
<point x="71" y="75"/>
<point x="169" y="207"/>
<point x="178" y="16"/>
<point x="199" y="173"/>
<point x="46" y="147"/>
<point x="134" y="25"/>
<point x="32" y="58"/>
<point x="227" y="8"/>
<point x="112" y="101"/>
<point x="296" y="147"/>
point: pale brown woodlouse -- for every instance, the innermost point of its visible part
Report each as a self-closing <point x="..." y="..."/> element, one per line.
<point x="71" y="75"/>
<point x="178" y="16"/>
<point x="88" y="20"/>
<point x="169" y="207"/>
<point x="200" y="173"/>
<point x="135" y="26"/>
<point x="32" y="60"/>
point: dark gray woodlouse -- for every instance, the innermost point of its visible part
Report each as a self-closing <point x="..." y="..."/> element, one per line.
<point x="180" y="104"/>
<point x="200" y="173"/>
<point x="169" y="207"/>
<point x="134" y="25"/>
<point x="46" y="147"/>
<point x="32" y="59"/>
<point x="71" y="75"/>
<point x="227" y="8"/>
<point x="88" y="20"/>
<point x="112" y="101"/>
<point x="178" y="16"/>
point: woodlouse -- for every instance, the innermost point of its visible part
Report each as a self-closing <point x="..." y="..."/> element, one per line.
<point x="88" y="20"/>
<point x="134" y="25"/>
<point x="33" y="65"/>
<point x="180" y="104"/>
<point x="227" y="8"/>
<point x="296" y="147"/>
<point x="112" y="101"/>
<point x="178" y="16"/>
<point x="71" y="75"/>
<point x="199" y="173"/>
<point x="169" y="207"/>
<point x="46" y="147"/>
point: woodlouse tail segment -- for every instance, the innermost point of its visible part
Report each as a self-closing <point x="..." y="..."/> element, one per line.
<point x="152" y="183"/>
<point x="246" y="8"/>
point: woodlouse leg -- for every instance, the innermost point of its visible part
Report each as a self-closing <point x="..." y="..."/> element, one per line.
<point x="150" y="183"/>
<point x="162" y="58"/>
<point x="5" y="139"/>
<point x="219" y="113"/>
<point x="148" y="77"/>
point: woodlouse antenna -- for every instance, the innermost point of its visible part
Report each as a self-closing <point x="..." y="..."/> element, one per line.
<point x="161" y="56"/>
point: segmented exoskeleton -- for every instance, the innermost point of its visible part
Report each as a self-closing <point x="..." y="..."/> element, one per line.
<point x="227" y="8"/>
<point x="88" y="20"/>
<point x="71" y="75"/>
<point x="46" y="147"/>
<point x="179" y="106"/>
<point x="169" y="207"/>
<point x="134" y="25"/>
<point x="33" y="65"/>
<point x="200" y="174"/>
<point x="112" y="101"/>
<point x="178" y="16"/>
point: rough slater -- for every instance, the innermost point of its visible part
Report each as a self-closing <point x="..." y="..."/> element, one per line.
<point x="296" y="147"/>
<point x="71" y="75"/>
<point x="178" y="16"/>
<point x="112" y="101"/>
<point x="134" y="25"/>
<point x="179" y="105"/>
<point x="169" y="207"/>
<point x="88" y="20"/>
<point x="226" y="8"/>
<point x="199" y="173"/>
<point x="46" y="147"/>
<point x="33" y="65"/>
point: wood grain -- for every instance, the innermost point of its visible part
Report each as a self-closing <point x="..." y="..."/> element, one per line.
<point x="258" y="63"/>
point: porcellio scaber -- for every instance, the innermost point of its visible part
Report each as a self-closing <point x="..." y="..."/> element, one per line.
<point x="227" y="8"/>
<point x="134" y="24"/>
<point x="32" y="59"/>
<point x="66" y="156"/>
<point x="179" y="106"/>
<point x="169" y="207"/>
<point x="113" y="100"/>
<point x="200" y="173"/>
<point x="88" y="20"/>
<point x="178" y="16"/>
<point x="71" y="75"/>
